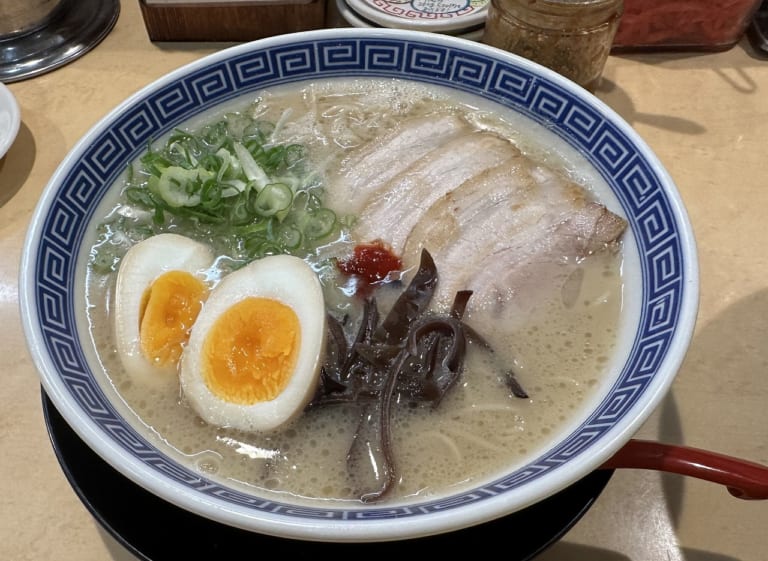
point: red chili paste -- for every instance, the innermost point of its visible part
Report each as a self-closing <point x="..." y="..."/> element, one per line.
<point x="371" y="263"/>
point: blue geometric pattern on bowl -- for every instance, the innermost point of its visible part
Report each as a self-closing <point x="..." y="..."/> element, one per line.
<point x="635" y="184"/>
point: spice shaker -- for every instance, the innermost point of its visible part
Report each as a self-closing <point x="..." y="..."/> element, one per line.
<point x="572" y="37"/>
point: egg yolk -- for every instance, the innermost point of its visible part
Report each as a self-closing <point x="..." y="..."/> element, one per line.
<point x="250" y="351"/>
<point x="169" y="309"/>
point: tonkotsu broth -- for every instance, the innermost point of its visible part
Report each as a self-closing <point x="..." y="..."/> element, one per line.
<point x="560" y="355"/>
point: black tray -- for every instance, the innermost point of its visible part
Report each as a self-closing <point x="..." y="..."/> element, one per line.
<point x="155" y="530"/>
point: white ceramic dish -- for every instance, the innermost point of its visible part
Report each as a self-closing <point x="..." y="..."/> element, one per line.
<point x="659" y="252"/>
<point x="352" y="18"/>
<point x="10" y="119"/>
<point x="442" y="16"/>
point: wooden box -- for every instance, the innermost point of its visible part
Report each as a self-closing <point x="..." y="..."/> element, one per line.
<point x="235" y="21"/>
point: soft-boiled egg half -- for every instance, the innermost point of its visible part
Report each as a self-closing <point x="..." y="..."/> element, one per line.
<point x="254" y="354"/>
<point x="160" y="290"/>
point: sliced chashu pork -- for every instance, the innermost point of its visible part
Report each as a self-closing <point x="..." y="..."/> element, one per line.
<point x="494" y="220"/>
<point x="520" y="229"/>
<point x="369" y="167"/>
<point x="395" y="208"/>
<point x="461" y="227"/>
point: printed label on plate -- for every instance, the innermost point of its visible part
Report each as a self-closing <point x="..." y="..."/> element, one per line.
<point x="428" y="9"/>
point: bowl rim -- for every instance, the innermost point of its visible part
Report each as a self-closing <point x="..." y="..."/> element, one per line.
<point x="368" y="529"/>
<point x="9" y="105"/>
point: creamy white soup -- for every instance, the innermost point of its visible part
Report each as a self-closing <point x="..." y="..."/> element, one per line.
<point x="505" y="208"/>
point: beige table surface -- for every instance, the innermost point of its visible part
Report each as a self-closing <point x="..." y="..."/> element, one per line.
<point x="705" y="115"/>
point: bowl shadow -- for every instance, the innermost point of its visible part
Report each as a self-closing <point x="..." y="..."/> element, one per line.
<point x="621" y="102"/>
<point x="739" y="331"/>
<point x="17" y="163"/>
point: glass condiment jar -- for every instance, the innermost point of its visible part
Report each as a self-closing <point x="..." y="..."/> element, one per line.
<point x="572" y="37"/>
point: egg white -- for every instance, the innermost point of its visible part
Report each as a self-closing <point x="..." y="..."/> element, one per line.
<point x="140" y="266"/>
<point x="292" y="282"/>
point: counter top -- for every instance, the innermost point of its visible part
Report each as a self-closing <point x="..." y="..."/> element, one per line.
<point x="706" y="117"/>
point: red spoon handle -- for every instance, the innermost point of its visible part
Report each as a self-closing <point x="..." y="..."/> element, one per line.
<point x="744" y="479"/>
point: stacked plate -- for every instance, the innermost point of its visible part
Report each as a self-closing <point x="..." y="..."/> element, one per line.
<point x="463" y="18"/>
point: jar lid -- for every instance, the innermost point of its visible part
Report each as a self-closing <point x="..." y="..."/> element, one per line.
<point x="568" y="4"/>
<point x="444" y="16"/>
<point x="585" y="10"/>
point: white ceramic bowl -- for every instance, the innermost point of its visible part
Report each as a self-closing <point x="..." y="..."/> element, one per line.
<point x="659" y="248"/>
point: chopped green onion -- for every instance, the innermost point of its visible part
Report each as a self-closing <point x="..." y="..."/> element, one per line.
<point x="290" y="237"/>
<point x="320" y="223"/>
<point x="252" y="170"/>
<point x="272" y="199"/>
<point x="230" y="184"/>
<point x="177" y="186"/>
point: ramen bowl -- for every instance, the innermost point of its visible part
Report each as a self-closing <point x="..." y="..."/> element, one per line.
<point x="660" y="281"/>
